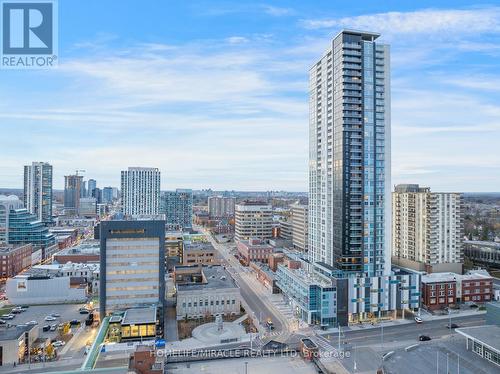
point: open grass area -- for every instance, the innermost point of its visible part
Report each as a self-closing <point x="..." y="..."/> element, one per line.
<point x="6" y="309"/>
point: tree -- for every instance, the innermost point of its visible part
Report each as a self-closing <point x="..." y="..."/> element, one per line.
<point x="49" y="350"/>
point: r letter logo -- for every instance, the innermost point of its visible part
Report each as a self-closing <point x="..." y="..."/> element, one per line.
<point x="29" y="34"/>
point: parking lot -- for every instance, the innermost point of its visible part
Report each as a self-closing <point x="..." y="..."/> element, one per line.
<point x="38" y="313"/>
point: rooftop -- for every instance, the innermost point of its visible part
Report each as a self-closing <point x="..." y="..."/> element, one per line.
<point x="215" y="276"/>
<point x="14" y="332"/>
<point x="88" y="247"/>
<point x="488" y="335"/>
<point x="139" y="315"/>
<point x="199" y="246"/>
<point x="440" y="277"/>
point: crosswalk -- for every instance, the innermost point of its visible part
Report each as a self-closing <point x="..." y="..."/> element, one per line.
<point x="323" y="344"/>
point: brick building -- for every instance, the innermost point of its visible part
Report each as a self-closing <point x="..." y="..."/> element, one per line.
<point x="254" y="250"/>
<point x="14" y="259"/>
<point x="476" y="288"/>
<point x="439" y="290"/>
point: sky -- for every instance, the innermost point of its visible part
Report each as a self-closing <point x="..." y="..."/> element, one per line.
<point x="215" y="93"/>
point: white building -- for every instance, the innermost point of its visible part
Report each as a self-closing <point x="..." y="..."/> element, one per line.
<point x="217" y="293"/>
<point x="221" y="206"/>
<point x="140" y="188"/>
<point x="300" y="223"/>
<point x="253" y="220"/>
<point x="427" y="229"/>
<point x="39" y="289"/>
<point x="349" y="155"/>
<point x="38" y="190"/>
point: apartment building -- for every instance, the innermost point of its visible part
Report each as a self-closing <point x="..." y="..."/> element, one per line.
<point x="427" y="229"/>
<point x="300" y="228"/>
<point x="140" y="189"/>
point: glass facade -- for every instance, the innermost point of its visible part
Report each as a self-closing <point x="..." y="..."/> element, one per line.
<point x="348" y="155"/>
<point x="25" y="228"/>
<point x="178" y="208"/>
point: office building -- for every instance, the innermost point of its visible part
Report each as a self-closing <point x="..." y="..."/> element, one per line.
<point x="286" y="228"/>
<point x="205" y="291"/>
<point x="199" y="254"/>
<point x="427" y="229"/>
<point x="482" y="253"/>
<point x="88" y="207"/>
<point x="256" y="250"/>
<point x="300" y="227"/>
<point x="349" y="172"/>
<point x="38" y="190"/>
<point x="107" y="195"/>
<point x="97" y="195"/>
<point x="132" y="271"/>
<point x="25" y="228"/>
<point x="253" y="219"/>
<point x="140" y="191"/>
<point x="178" y="208"/>
<point x="72" y="194"/>
<point x="221" y="207"/>
<point x="91" y="185"/>
<point x="7" y="204"/>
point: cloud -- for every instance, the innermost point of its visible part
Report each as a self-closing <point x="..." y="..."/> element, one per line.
<point x="237" y="40"/>
<point x="278" y="11"/>
<point x="427" y="21"/>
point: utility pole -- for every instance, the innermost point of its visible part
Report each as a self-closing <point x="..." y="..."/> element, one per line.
<point x="437" y="362"/>
<point x="339" y="339"/>
<point x="246" y="367"/>
<point x="447" y="365"/>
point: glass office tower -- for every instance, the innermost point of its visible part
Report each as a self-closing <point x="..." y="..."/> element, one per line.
<point x="349" y="168"/>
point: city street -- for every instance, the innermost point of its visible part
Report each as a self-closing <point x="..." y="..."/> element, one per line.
<point x="261" y="309"/>
<point x="372" y="336"/>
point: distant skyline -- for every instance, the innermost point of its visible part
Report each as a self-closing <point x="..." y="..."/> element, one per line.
<point x="215" y="93"/>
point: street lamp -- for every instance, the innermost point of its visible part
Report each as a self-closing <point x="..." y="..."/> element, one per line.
<point x="246" y="367"/>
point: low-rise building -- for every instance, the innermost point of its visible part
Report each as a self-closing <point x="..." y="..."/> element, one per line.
<point x="14" y="259"/>
<point x="483" y="253"/>
<point x="134" y="324"/>
<point x="37" y="290"/>
<point x="15" y="343"/>
<point x="87" y="252"/>
<point x="199" y="254"/>
<point x="254" y="250"/>
<point x="205" y="291"/>
<point x="439" y="290"/>
<point x="484" y="341"/>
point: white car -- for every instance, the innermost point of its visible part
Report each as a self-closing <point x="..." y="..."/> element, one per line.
<point x="55" y="315"/>
<point x="418" y="320"/>
<point x="58" y="343"/>
<point x="32" y="323"/>
<point x="50" y="318"/>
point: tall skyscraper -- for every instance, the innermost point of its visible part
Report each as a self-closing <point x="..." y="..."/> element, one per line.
<point x="178" y="208"/>
<point x="140" y="191"/>
<point x="427" y="229"/>
<point x="91" y="185"/>
<point x="107" y="195"/>
<point x="349" y="175"/>
<point x="38" y="190"/>
<point x="72" y="193"/>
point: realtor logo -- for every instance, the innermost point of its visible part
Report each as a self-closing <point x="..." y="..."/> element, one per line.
<point x="29" y="34"/>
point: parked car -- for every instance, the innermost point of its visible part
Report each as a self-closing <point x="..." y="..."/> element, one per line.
<point x="17" y="310"/>
<point x="453" y="326"/>
<point x="46" y="328"/>
<point x="53" y="327"/>
<point x="474" y="306"/>
<point x="84" y="311"/>
<point x="424" y="338"/>
<point x="58" y="343"/>
<point x="418" y="320"/>
<point x="2" y="322"/>
<point x="50" y="318"/>
<point x="55" y="315"/>
<point x="74" y="322"/>
<point x="32" y="323"/>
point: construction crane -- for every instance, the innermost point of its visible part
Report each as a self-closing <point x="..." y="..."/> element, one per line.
<point x="79" y="170"/>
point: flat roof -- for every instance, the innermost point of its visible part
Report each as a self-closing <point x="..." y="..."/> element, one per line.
<point x="14" y="332"/>
<point x="439" y="277"/>
<point x="139" y="315"/>
<point x="216" y="277"/>
<point x="488" y="335"/>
